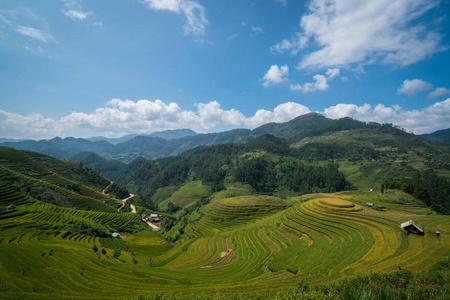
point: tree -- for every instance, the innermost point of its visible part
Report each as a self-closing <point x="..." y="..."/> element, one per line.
<point x="116" y="253"/>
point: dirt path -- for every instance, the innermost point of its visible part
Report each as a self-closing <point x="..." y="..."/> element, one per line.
<point x="104" y="190"/>
<point x="123" y="204"/>
<point x="151" y="224"/>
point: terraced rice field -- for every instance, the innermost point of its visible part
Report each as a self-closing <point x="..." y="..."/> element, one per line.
<point x="245" y="245"/>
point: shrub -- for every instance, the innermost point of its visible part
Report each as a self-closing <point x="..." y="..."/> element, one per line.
<point x="116" y="253"/>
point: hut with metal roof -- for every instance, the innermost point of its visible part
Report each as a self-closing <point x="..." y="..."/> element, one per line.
<point x="412" y="227"/>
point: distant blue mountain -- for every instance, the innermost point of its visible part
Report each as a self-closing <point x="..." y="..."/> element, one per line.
<point x="3" y="140"/>
<point x="167" y="135"/>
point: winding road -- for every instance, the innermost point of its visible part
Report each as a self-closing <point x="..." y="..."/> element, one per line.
<point x="133" y="208"/>
<point x="104" y="190"/>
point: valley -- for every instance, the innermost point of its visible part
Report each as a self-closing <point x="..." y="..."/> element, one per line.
<point x="305" y="214"/>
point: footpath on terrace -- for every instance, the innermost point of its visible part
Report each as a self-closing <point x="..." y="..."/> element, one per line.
<point x="132" y="207"/>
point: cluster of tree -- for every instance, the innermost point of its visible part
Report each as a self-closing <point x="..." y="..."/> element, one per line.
<point x="267" y="177"/>
<point x="322" y="151"/>
<point x="87" y="228"/>
<point x="118" y="191"/>
<point x="84" y="173"/>
<point x="106" y="167"/>
<point x="427" y="186"/>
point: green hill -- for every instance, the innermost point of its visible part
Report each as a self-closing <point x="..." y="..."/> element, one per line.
<point x="56" y="181"/>
<point x="442" y="136"/>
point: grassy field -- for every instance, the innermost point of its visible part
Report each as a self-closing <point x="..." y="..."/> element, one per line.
<point x="241" y="245"/>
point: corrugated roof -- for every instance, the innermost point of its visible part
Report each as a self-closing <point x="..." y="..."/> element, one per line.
<point x="411" y="222"/>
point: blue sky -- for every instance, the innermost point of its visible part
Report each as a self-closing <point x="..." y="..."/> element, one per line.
<point x="87" y="68"/>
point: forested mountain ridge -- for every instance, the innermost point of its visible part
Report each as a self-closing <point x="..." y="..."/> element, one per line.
<point x="155" y="146"/>
<point x="442" y="136"/>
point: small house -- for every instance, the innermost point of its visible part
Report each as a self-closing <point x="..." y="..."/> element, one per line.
<point x="12" y="206"/>
<point x="115" y="234"/>
<point x="154" y="218"/>
<point x="412" y="227"/>
<point x="369" y="204"/>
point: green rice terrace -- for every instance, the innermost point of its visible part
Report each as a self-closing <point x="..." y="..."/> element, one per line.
<point x="245" y="245"/>
<point x="238" y="245"/>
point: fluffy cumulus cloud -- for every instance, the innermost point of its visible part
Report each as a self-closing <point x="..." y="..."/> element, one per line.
<point x="194" y="13"/>
<point x="281" y="113"/>
<point x="428" y="119"/>
<point x="320" y="82"/>
<point x="275" y="75"/>
<point x="414" y="86"/>
<point x="383" y="31"/>
<point x="120" y="117"/>
<point x="438" y="93"/>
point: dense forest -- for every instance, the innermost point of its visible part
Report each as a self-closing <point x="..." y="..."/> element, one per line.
<point x="427" y="186"/>
<point x="266" y="163"/>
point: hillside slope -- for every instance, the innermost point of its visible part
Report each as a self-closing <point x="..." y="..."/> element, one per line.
<point x="246" y="246"/>
<point x="442" y="136"/>
<point x="55" y="181"/>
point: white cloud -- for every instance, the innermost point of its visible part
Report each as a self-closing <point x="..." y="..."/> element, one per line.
<point x="414" y="86"/>
<point x="35" y="33"/>
<point x="275" y="75"/>
<point x="195" y="18"/>
<point x="282" y="113"/>
<point x="195" y="13"/>
<point x="428" y="119"/>
<point x="296" y="43"/>
<point x="120" y="117"/>
<point x="363" y="32"/>
<point x="320" y="82"/>
<point x="331" y="73"/>
<point x="77" y="15"/>
<point x="438" y="93"/>
<point x="256" y="29"/>
<point x="172" y="5"/>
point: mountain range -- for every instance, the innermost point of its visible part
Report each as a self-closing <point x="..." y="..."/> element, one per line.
<point x="174" y="142"/>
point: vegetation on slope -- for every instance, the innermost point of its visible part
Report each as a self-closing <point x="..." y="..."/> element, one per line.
<point x="234" y="236"/>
